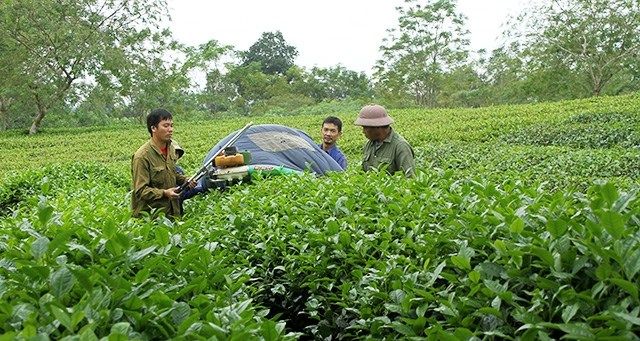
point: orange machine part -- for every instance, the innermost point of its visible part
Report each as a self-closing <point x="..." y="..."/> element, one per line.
<point x="229" y="160"/>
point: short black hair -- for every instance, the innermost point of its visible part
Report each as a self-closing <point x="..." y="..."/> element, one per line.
<point x="155" y="116"/>
<point x="333" y="120"/>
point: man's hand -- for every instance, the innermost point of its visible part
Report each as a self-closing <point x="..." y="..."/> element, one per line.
<point x="171" y="193"/>
<point x="174" y="193"/>
<point x="192" y="183"/>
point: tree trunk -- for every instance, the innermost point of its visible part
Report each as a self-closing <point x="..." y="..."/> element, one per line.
<point x="5" y="103"/>
<point x="42" y="107"/>
<point x="36" y="123"/>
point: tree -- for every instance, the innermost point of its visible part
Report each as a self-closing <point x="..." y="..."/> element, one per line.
<point x="252" y="86"/>
<point x="595" y="40"/>
<point x="101" y="102"/>
<point x="205" y="59"/>
<point x="504" y="75"/>
<point x="338" y="83"/>
<point x="62" y="43"/>
<point x="157" y="82"/>
<point x="272" y="52"/>
<point x="218" y="94"/>
<point x="463" y="87"/>
<point x="430" y="41"/>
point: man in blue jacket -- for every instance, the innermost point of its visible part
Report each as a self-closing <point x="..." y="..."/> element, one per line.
<point x="331" y="132"/>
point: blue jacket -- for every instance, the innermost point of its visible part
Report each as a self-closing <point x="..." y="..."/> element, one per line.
<point x="337" y="155"/>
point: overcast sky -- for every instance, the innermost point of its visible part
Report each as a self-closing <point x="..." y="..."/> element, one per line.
<point x="326" y="33"/>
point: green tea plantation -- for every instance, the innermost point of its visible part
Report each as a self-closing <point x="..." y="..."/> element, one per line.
<point x="523" y="223"/>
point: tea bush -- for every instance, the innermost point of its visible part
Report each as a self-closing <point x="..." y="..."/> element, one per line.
<point x="522" y="223"/>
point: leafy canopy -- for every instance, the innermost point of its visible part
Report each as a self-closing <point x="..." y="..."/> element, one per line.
<point x="272" y="52"/>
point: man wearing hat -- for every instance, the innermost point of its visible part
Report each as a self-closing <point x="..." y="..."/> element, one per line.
<point x="385" y="148"/>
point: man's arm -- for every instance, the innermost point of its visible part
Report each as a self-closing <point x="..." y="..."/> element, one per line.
<point x="181" y="178"/>
<point x="405" y="161"/>
<point x="342" y="160"/>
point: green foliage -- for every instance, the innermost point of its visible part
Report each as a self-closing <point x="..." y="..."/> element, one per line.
<point x="501" y="235"/>
<point x="393" y="259"/>
<point x="590" y="41"/>
<point x="428" y="43"/>
<point x="91" y="270"/>
<point x="88" y="63"/>
<point x="504" y="75"/>
<point x="254" y="86"/>
<point x="584" y="131"/>
<point x="58" y="45"/>
<point x="337" y="83"/>
<point x="282" y="105"/>
<point x="272" y="52"/>
<point x="463" y="87"/>
<point x="218" y="93"/>
<point x="348" y="105"/>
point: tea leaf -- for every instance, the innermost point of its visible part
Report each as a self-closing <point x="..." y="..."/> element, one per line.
<point x="594" y="228"/>
<point x="87" y="334"/>
<point x="83" y="276"/>
<point x="403" y="329"/>
<point x="445" y="336"/>
<point x="461" y="263"/>
<point x="491" y="270"/>
<point x="544" y="255"/>
<point x="436" y="273"/>
<point x="603" y="271"/>
<point x="62" y="238"/>
<point x="119" y="330"/>
<point x="332" y="227"/>
<point x="631" y="264"/>
<point x="623" y="201"/>
<point x="500" y="246"/>
<point x="609" y="193"/>
<point x="627" y="318"/>
<point x="495" y="286"/>
<point x="39" y="247"/>
<point x="577" y="331"/>
<point x="62" y="317"/>
<point x="557" y="227"/>
<point x="421" y="310"/>
<point x="141" y="254"/>
<point x="180" y="312"/>
<point x="397" y="296"/>
<point x="613" y="222"/>
<point x="61" y="282"/>
<point x="162" y="236"/>
<point x="474" y="276"/>
<point x="345" y="238"/>
<point x="517" y="226"/>
<point x="489" y="310"/>
<point x="627" y="286"/>
<point x="45" y="212"/>
<point x="569" y="312"/>
<point x="269" y="331"/>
